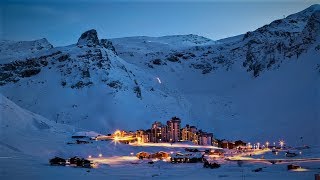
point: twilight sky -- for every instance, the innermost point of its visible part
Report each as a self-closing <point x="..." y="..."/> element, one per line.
<point x="62" y="21"/>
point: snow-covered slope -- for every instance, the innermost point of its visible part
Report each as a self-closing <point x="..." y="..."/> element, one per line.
<point x="14" y="50"/>
<point x="263" y="85"/>
<point x="23" y="132"/>
<point x="143" y="47"/>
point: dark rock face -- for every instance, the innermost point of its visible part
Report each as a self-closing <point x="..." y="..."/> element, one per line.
<point x="157" y="62"/>
<point x="137" y="90"/>
<point x="30" y="72"/>
<point x="206" y="67"/>
<point x="89" y="38"/>
<point x="108" y="45"/>
<point x="115" y="84"/>
<point x="312" y="29"/>
<point x="81" y="84"/>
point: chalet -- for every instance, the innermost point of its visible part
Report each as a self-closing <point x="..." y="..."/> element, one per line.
<point x="216" y="153"/>
<point x="160" y="155"/>
<point x="187" y="158"/>
<point x="142" y="155"/>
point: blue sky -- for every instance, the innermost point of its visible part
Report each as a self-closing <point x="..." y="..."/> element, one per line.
<point x="62" y="22"/>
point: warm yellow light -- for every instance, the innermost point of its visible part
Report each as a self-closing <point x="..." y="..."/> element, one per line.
<point x="300" y="169"/>
<point x="117" y="132"/>
<point x="139" y="139"/>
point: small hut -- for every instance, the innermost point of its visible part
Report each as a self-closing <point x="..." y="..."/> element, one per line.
<point x="160" y="155"/>
<point x="142" y="155"/>
<point x="187" y="158"/>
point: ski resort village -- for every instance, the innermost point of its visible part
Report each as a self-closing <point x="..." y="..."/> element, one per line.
<point x="170" y="145"/>
<point x="162" y="90"/>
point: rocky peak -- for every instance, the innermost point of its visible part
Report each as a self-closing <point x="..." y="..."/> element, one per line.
<point x="42" y="44"/>
<point x="89" y="38"/>
<point x="108" y="45"/>
<point x="293" y="24"/>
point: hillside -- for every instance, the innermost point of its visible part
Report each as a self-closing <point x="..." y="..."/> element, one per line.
<point x="27" y="133"/>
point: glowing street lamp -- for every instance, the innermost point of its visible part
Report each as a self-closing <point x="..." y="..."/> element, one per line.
<point x="281" y="143"/>
<point x="267" y="143"/>
<point x="89" y="156"/>
<point x="258" y="145"/>
<point x="131" y="154"/>
<point x="100" y="155"/>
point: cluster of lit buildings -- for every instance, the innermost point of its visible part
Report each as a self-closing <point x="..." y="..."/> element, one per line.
<point x="172" y="132"/>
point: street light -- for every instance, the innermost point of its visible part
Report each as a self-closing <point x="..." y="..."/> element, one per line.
<point x="100" y="155"/>
<point x="281" y="143"/>
<point x="267" y="143"/>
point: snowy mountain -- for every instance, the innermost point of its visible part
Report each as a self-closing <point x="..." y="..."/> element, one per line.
<point x="263" y="48"/>
<point x="262" y="85"/>
<point x="88" y="85"/>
